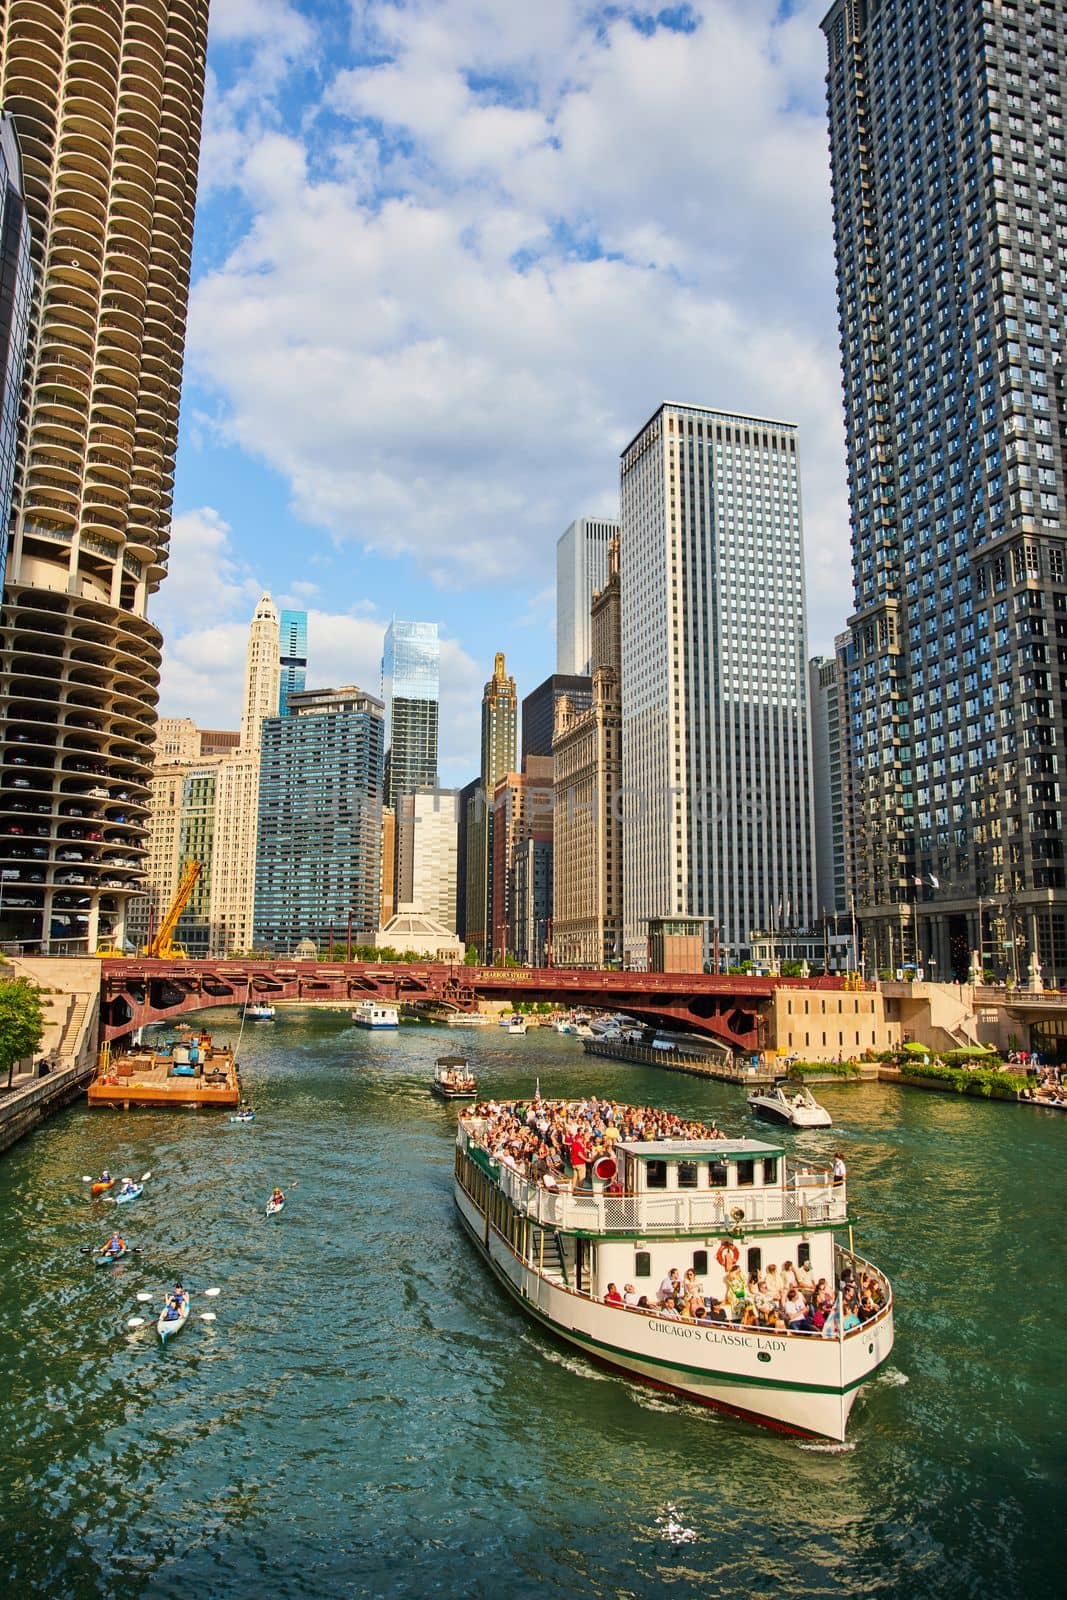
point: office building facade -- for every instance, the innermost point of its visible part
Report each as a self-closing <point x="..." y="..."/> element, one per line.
<point x="498" y="745"/>
<point x="717" y="807"/>
<point x="262" y="672"/>
<point x="587" y="903"/>
<point x="950" y="215"/>
<point x="107" y="102"/>
<point x="521" y="811"/>
<point x="831" y="892"/>
<point x="411" y="692"/>
<point x="318" y="854"/>
<point x="539" y="709"/>
<point x="293" y="644"/>
<point x="581" y="570"/>
<point x="426" y="852"/>
<point x="16" y="293"/>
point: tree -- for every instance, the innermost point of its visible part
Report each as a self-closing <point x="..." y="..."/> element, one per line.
<point x="21" y="1023"/>
<point x="471" y="957"/>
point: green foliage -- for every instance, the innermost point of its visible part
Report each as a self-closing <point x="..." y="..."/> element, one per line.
<point x="960" y="1058"/>
<point x="471" y="957"/>
<point x="831" y="1069"/>
<point x="21" y="1023"/>
<point x="741" y="971"/>
<point x="794" y="969"/>
<point x="969" y="1080"/>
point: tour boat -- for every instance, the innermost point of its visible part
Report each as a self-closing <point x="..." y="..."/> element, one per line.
<point x="517" y="1025"/>
<point x="166" y="1326"/>
<point x="453" y="1080"/>
<point x="792" y="1104"/>
<point x="257" y="1011"/>
<point x="373" y="1014"/>
<point x="665" y="1205"/>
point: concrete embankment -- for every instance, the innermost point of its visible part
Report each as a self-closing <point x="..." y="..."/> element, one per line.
<point x="70" y="1000"/>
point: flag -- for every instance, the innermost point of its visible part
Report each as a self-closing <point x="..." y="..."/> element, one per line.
<point x="935" y="883"/>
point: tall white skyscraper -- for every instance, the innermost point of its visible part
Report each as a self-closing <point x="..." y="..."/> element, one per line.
<point x="581" y="570"/>
<point x="715" y="741"/>
<point x="262" y="672"/>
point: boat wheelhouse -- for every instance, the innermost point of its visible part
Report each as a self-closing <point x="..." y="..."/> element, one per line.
<point x="706" y="1204"/>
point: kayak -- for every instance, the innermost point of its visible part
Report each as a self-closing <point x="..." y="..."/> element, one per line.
<point x="244" y="1116"/>
<point x="129" y="1194"/>
<point x="274" y="1206"/>
<point x="106" y="1257"/>
<point x="101" y="1188"/>
<point x="167" y="1327"/>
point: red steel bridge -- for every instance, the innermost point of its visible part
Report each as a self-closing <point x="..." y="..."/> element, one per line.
<point x="733" y="1010"/>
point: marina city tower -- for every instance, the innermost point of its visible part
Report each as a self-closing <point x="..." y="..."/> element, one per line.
<point x="950" y="212"/>
<point x="106" y="99"/>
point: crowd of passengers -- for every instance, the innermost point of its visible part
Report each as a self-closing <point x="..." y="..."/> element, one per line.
<point x="550" y="1141"/>
<point x="786" y="1299"/>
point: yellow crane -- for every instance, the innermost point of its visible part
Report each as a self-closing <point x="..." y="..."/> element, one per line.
<point x="161" y="944"/>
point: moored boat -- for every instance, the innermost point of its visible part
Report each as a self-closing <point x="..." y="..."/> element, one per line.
<point x="792" y="1104"/>
<point x="375" y="1014"/>
<point x="658" y="1205"/>
<point x="453" y="1080"/>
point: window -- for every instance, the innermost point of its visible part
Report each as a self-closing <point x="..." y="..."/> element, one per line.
<point x="700" y="1262"/>
<point x="642" y="1264"/>
<point x="655" y="1174"/>
<point x="687" y="1174"/>
<point x="755" y="1259"/>
<point x="746" y="1174"/>
<point x="717" y="1174"/>
<point x="770" y="1169"/>
<point x="804" y="1254"/>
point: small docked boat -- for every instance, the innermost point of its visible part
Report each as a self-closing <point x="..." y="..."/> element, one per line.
<point x="375" y="1014"/>
<point x="172" y="1319"/>
<point x="659" y="1205"/>
<point x="453" y="1079"/>
<point x="128" y="1193"/>
<point x="257" y="1011"/>
<point x="791" y="1104"/>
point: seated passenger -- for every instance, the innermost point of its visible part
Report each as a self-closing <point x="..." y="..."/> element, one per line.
<point x="750" y="1317"/>
<point x="804" y="1280"/>
<point x="613" y="1297"/>
<point x="629" y="1296"/>
<point x="718" y="1312"/>
<point x="671" y="1311"/>
<point x="671" y="1287"/>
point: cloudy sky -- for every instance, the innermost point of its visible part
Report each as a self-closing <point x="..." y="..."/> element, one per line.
<point x="450" y="256"/>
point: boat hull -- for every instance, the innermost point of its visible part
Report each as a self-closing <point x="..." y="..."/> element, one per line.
<point x="107" y="1258"/>
<point x="167" y="1329"/>
<point x="128" y="1195"/>
<point x="797" y="1384"/>
<point x="275" y="1207"/>
<point x="801" y="1118"/>
<point x="101" y="1188"/>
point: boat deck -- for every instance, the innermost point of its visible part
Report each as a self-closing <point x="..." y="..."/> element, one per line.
<point x="150" y="1078"/>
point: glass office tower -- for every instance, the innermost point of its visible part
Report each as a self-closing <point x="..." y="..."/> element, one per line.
<point x="950" y="214"/>
<point x="294" y="654"/>
<point x="411" y="687"/>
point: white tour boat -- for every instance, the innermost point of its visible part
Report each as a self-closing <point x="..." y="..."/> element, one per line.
<point x="373" y="1014"/>
<point x="258" y="1011"/>
<point x="669" y="1204"/>
<point x="789" y="1103"/>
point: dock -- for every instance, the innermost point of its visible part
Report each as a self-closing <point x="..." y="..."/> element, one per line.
<point x="717" y="1063"/>
<point x="194" y="1072"/>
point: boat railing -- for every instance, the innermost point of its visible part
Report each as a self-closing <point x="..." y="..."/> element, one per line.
<point x="673" y="1210"/>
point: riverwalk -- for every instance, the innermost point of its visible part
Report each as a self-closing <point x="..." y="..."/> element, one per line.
<point x="719" y="1064"/>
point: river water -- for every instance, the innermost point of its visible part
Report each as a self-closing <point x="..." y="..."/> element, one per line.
<point x="370" y="1415"/>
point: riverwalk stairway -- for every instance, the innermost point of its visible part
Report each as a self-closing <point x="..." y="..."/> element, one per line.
<point x="70" y="1002"/>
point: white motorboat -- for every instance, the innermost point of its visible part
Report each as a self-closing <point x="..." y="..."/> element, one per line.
<point x="663" y="1206"/>
<point x="517" y="1025"/>
<point x="789" y="1103"/>
<point x="374" y="1014"/>
<point x="258" y="1011"/>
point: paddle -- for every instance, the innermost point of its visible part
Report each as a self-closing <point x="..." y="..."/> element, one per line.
<point x="207" y="1316"/>
<point x="135" y="1322"/>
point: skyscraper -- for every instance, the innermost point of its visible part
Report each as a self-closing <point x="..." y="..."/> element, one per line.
<point x="714" y="708"/>
<point x="499" y="719"/>
<point x="825" y="699"/>
<point x="294" y="650"/>
<point x="107" y="103"/>
<point x="539" y="709"/>
<point x="262" y="672"/>
<point x="16" y="291"/>
<point x="320" y="819"/>
<point x="411" y="691"/>
<point x="950" y="217"/>
<point x="581" y="569"/>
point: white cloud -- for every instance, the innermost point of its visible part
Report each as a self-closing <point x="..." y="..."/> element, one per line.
<point x="472" y="277"/>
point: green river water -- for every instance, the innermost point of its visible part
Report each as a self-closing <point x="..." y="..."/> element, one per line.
<point x="370" y="1415"/>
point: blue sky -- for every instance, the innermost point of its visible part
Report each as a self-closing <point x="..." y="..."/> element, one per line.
<point x="450" y="255"/>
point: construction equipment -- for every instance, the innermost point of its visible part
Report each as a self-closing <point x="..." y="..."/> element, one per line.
<point x="161" y="945"/>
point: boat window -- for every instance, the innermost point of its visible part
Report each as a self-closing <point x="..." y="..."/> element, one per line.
<point x="770" y="1169"/>
<point x="804" y="1254"/>
<point x="755" y="1259"/>
<point x="717" y="1174"/>
<point x="687" y="1174"/>
<point x="700" y="1262"/>
<point x="746" y="1174"/>
<point x="643" y="1264"/>
<point x="655" y="1174"/>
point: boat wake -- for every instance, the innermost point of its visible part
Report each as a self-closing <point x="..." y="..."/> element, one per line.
<point x="828" y="1447"/>
<point x="672" y="1529"/>
<point x="892" y="1378"/>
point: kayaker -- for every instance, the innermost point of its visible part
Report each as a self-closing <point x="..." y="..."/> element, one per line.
<point x="105" y="1176"/>
<point x="115" y="1245"/>
<point x="277" y="1198"/>
<point x="128" y="1186"/>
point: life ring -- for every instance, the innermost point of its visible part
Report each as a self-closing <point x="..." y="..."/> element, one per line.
<point x="728" y="1255"/>
<point x="604" y="1168"/>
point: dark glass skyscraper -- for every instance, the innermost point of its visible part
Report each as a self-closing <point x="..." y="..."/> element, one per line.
<point x="318" y="850"/>
<point x="293" y="633"/>
<point x="16" y="291"/>
<point x="411" y="688"/>
<point x="950" y="210"/>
